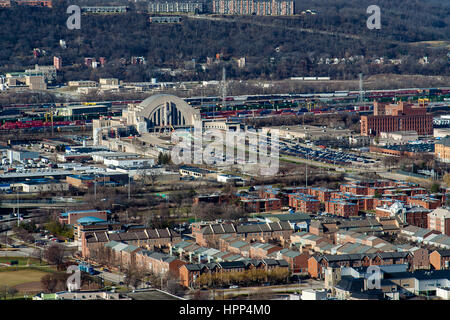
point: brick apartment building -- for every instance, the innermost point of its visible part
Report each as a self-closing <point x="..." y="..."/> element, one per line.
<point x="159" y="263"/>
<point x="377" y="226"/>
<point x="397" y="117"/>
<point x="410" y="214"/>
<point x="421" y="258"/>
<point x="122" y="254"/>
<point x="322" y="194"/>
<point x="190" y="272"/>
<point x="442" y="150"/>
<point x="439" y="220"/>
<point x="440" y="259"/>
<point x="260" y="204"/>
<point x="342" y="237"/>
<point x="233" y="245"/>
<point x="306" y="239"/>
<point x="210" y="233"/>
<point x="147" y="238"/>
<point x="341" y="208"/>
<point x="210" y="198"/>
<point x="354" y="189"/>
<point x="81" y="227"/>
<point x="298" y="261"/>
<point x="318" y="263"/>
<point x="361" y="201"/>
<point x="260" y="250"/>
<point x="301" y="202"/>
<point x="424" y="201"/>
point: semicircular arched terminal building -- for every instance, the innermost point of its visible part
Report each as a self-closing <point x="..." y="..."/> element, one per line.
<point x="161" y="112"/>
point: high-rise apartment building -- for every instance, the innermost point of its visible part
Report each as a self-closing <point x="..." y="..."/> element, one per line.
<point x="175" y="7"/>
<point x="257" y="7"/>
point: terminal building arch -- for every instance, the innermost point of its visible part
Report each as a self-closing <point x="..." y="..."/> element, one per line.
<point x="166" y="111"/>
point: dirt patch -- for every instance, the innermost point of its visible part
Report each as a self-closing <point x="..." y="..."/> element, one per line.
<point x="30" y="287"/>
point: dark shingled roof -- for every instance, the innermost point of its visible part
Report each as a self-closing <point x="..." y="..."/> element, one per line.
<point x="420" y="275"/>
<point x="152" y="234"/>
<point x="193" y="267"/>
<point x="245" y="228"/>
<point x="130" y="236"/>
<point x="283" y="263"/>
<point x="218" y="229"/>
<point x="103" y="237"/>
<point x="444" y="253"/>
<point x="270" y="262"/>
<point x="360" y="256"/>
<point x="232" y="264"/>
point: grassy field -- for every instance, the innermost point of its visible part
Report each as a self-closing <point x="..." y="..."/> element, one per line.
<point x="23" y="261"/>
<point x="13" y="278"/>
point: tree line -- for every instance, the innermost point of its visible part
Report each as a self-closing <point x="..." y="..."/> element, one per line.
<point x="275" y="47"/>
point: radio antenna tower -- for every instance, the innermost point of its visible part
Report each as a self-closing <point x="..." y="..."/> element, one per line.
<point x="224" y="87"/>
<point x="361" y="89"/>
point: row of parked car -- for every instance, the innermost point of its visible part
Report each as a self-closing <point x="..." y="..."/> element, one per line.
<point x="325" y="155"/>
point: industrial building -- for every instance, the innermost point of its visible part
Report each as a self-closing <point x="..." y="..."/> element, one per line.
<point x="42" y="185"/>
<point x="397" y="117"/>
<point x="81" y="110"/>
<point x="21" y="156"/>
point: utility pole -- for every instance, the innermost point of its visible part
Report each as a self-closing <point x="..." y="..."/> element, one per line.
<point x="361" y="90"/>
<point x="224" y="87"/>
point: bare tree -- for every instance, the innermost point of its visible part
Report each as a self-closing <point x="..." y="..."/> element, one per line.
<point x="49" y="282"/>
<point x="12" y="291"/>
<point x="3" y="291"/>
<point x="54" y="254"/>
<point x="38" y="254"/>
<point x="134" y="275"/>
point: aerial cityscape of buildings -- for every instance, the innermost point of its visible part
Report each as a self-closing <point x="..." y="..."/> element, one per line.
<point x="113" y="188"/>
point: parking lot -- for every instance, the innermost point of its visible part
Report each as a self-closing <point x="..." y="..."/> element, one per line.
<point x="326" y="155"/>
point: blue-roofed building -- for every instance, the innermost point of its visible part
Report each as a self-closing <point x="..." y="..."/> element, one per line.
<point x="89" y="220"/>
<point x="72" y="217"/>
